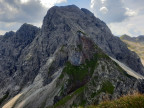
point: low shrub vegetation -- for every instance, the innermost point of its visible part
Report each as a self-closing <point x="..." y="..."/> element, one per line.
<point x="130" y="101"/>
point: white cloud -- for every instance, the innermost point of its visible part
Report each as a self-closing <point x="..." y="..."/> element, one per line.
<point x="23" y="11"/>
<point x="2" y="32"/>
<point x="24" y="1"/>
<point x="45" y="3"/>
<point x="122" y="16"/>
<point x="109" y="10"/>
<point x="103" y="1"/>
<point x="104" y="10"/>
<point x="133" y="26"/>
<point x="130" y="12"/>
<point x="50" y="3"/>
<point x="92" y="3"/>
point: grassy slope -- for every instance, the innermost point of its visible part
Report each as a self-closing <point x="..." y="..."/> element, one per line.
<point x="136" y="47"/>
<point x="129" y="101"/>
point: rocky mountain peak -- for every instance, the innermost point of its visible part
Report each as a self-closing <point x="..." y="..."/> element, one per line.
<point x="68" y="56"/>
<point x="61" y="24"/>
<point x="140" y="38"/>
<point x="8" y="35"/>
<point x="87" y="12"/>
<point x="26" y="25"/>
<point x="25" y="34"/>
<point x="125" y="36"/>
<point x="11" y="33"/>
<point x="27" y="29"/>
<point x="61" y="15"/>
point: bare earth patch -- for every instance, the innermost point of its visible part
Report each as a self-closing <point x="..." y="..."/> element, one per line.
<point x="12" y="101"/>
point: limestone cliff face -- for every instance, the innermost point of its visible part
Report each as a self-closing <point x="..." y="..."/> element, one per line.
<point x="67" y="20"/>
<point x="11" y="47"/>
<point x="64" y="60"/>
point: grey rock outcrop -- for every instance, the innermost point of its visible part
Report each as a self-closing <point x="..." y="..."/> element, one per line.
<point x="11" y="46"/>
<point x="35" y="62"/>
<point x="71" y="19"/>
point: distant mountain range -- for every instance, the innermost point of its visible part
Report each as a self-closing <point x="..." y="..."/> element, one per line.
<point x="135" y="44"/>
<point x="139" y="39"/>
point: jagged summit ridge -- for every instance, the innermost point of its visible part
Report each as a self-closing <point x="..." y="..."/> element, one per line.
<point x="65" y="58"/>
<point x="69" y="19"/>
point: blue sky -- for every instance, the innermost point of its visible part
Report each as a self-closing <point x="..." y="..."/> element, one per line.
<point x="122" y="16"/>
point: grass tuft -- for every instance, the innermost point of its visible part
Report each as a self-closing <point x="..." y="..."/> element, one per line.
<point x="130" y="101"/>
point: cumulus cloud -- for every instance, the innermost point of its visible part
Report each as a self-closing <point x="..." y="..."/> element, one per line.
<point x="104" y="10"/>
<point x="10" y="26"/>
<point x="92" y="3"/>
<point x="122" y="16"/>
<point x="130" y="12"/>
<point x="133" y="26"/>
<point x="103" y="1"/>
<point x="111" y="10"/>
<point x="24" y="1"/>
<point x="21" y="11"/>
<point x="50" y="3"/>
